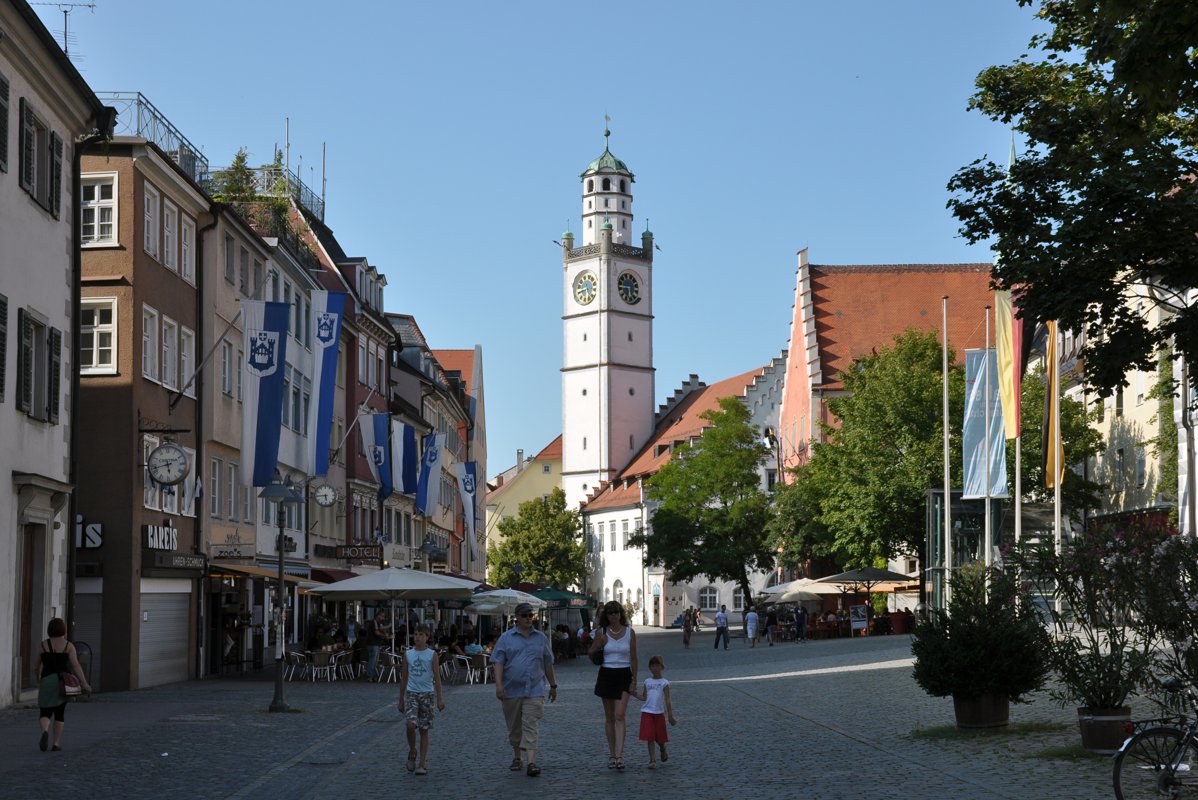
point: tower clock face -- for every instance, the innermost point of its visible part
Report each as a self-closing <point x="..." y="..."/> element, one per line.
<point x="630" y="288"/>
<point x="585" y="287"/>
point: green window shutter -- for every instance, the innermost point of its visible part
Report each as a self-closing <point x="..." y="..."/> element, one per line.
<point x="3" y="344"/>
<point x="24" y="361"/>
<point x="3" y="129"/>
<point x="54" y="377"/>
<point x="28" y="141"/>
<point x="55" y="174"/>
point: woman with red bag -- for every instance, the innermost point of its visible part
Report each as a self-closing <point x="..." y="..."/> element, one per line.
<point x="57" y="656"/>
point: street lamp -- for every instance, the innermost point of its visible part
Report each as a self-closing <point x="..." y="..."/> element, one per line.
<point x="430" y="549"/>
<point x="771" y="441"/>
<point x="282" y="493"/>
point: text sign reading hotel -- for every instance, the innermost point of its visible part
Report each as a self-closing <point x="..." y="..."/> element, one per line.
<point x="365" y="552"/>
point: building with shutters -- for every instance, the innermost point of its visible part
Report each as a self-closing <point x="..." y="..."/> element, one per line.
<point x="45" y="108"/>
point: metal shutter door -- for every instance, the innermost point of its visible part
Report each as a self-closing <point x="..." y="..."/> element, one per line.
<point x="162" y="642"/>
<point x="88" y="613"/>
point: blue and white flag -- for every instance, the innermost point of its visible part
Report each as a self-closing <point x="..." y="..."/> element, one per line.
<point x="466" y="488"/>
<point x="973" y="436"/>
<point x="377" y="450"/>
<point x="404" y="458"/>
<point x="429" y="483"/>
<point x="328" y="308"/>
<point x="265" y="345"/>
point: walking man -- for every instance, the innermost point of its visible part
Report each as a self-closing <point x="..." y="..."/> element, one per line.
<point x="523" y="659"/>
<point x="801" y="623"/>
<point x="376" y="640"/>
<point x="721" y="627"/>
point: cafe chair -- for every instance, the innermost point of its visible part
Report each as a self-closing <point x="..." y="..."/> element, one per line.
<point x="321" y="665"/>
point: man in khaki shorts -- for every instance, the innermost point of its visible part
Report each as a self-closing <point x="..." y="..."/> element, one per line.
<point x="523" y="659"/>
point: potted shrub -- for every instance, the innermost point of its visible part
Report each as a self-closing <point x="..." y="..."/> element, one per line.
<point x="1103" y="648"/>
<point x="988" y="651"/>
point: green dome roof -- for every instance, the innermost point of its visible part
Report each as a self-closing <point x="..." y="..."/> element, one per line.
<point x="606" y="225"/>
<point x="606" y="163"/>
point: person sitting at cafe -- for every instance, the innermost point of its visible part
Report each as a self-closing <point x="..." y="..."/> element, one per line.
<point x="472" y="648"/>
<point x="458" y="647"/>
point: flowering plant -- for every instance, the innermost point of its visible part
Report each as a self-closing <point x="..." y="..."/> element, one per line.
<point x="1094" y="592"/>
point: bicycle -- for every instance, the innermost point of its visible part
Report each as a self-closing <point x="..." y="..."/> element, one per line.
<point x="1161" y="760"/>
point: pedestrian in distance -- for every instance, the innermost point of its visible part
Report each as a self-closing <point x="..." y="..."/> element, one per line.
<point x="523" y="659"/>
<point x="57" y="655"/>
<point x="688" y="625"/>
<point x="419" y="688"/>
<point x="616" y="680"/>
<point x="376" y="640"/>
<point x="752" y="620"/>
<point x="771" y="625"/>
<point x="721" y="627"/>
<point x="657" y="708"/>
<point x="801" y="623"/>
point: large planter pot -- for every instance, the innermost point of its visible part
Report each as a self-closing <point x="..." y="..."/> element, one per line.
<point x="1103" y="729"/>
<point x="986" y="711"/>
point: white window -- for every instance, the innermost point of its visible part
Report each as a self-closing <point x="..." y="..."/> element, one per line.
<point x="170" y="229"/>
<point x="226" y="368"/>
<point x="231" y="494"/>
<point x="149" y="343"/>
<point x="286" y="395"/>
<point x="39" y="366"/>
<point x="297" y="323"/>
<point x="274" y="286"/>
<point x="150" y="221"/>
<point x="247" y="504"/>
<point x="97" y="336"/>
<point x="361" y="361"/>
<point x="617" y="590"/>
<point x="624" y="531"/>
<point x="738" y="599"/>
<point x="186" y="251"/>
<point x="257" y="279"/>
<point x="709" y="599"/>
<point x="170" y="353"/>
<point x="187" y="358"/>
<point x="546" y="469"/>
<point x="1141" y="467"/>
<point x="307" y="405"/>
<point x="214" y="476"/>
<point x="97" y="209"/>
<point x="149" y="489"/>
<point x="297" y="401"/>
<point x="1141" y="387"/>
<point x="305" y="324"/>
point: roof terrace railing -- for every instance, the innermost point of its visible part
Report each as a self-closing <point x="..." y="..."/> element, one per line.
<point x="273" y="181"/>
<point x="137" y="116"/>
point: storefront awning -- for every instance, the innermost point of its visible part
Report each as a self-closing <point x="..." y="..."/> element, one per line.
<point x="332" y="575"/>
<point x="243" y="571"/>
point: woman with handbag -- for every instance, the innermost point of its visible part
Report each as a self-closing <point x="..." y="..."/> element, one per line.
<point x="615" y="643"/>
<point x="62" y="678"/>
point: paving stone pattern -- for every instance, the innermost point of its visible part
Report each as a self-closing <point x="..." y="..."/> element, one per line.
<point x="823" y="720"/>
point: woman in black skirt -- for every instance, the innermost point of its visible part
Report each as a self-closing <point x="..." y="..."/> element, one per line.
<point x="57" y="655"/>
<point x="617" y="676"/>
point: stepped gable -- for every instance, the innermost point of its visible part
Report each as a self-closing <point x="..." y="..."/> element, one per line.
<point x="689" y="385"/>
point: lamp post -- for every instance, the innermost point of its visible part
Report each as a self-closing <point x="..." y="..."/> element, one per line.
<point x="770" y="440"/>
<point x="281" y="492"/>
<point x="429" y="548"/>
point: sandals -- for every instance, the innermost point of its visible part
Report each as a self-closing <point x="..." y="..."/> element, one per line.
<point x="411" y="762"/>
<point x="652" y="765"/>
<point x="421" y="771"/>
<point x="516" y="765"/>
<point x="620" y="764"/>
<point x="611" y="762"/>
<point x="533" y="769"/>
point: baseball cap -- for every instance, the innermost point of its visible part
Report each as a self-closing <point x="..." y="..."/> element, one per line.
<point x="523" y="608"/>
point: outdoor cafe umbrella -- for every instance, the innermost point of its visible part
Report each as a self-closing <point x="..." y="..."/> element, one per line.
<point x="563" y="598"/>
<point x="399" y="583"/>
<point x="502" y="601"/>
<point x="797" y="591"/>
<point x="867" y="578"/>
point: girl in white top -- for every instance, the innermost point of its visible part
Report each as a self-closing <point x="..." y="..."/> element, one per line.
<point x="617" y="677"/>
<point x="656" y="708"/>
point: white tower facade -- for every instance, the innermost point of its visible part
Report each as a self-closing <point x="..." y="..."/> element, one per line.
<point x="607" y="329"/>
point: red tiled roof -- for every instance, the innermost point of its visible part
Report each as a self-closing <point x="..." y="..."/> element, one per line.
<point x="460" y="361"/>
<point x="552" y="451"/>
<point x="861" y="307"/>
<point x="614" y="495"/>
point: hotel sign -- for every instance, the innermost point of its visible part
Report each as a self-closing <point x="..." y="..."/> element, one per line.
<point x="360" y="552"/>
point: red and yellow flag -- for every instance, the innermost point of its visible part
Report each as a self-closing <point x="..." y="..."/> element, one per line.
<point x="1054" y="451"/>
<point x="1010" y="367"/>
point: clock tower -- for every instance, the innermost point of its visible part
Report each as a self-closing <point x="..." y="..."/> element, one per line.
<point x="607" y="330"/>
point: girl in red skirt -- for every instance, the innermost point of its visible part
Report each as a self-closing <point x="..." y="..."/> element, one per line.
<point x="655" y="694"/>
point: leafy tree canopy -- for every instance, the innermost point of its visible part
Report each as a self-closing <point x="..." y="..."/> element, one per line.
<point x="543" y="539"/>
<point x="712" y="512"/>
<point x="1097" y="217"/>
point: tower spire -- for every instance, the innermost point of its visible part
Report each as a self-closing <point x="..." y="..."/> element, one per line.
<point x="606" y="133"/>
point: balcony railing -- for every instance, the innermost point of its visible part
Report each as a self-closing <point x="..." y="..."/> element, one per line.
<point x="273" y="182"/>
<point x="137" y="116"/>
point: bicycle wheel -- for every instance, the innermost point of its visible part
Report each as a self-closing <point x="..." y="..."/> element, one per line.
<point x="1144" y="768"/>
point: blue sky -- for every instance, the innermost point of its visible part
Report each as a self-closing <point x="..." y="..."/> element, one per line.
<point x="456" y="133"/>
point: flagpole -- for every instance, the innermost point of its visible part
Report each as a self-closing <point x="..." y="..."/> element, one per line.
<point x="987" y="559"/>
<point x="948" y="493"/>
<point x="179" y="394"/>
<point x="1057" y="450"/>
<point x="1018" y="489"/>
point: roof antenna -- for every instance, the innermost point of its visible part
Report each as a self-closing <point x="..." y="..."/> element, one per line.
<point x="66" y="8"/>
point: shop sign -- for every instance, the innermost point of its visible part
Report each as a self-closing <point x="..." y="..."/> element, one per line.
<point x="232" y="547"/>
<point x="160" y="537"/>
<point x="157" y="559"/>
<point x="360" y="552"/>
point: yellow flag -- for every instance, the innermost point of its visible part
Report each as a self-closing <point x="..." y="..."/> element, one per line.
<point x="1008" y="362"/>
<point x="1054" y="451"/>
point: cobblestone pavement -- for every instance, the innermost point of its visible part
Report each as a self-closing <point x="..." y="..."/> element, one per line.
<point x="821" y="720"/>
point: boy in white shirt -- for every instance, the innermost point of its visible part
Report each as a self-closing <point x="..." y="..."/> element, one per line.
<point x="655" y="694"/>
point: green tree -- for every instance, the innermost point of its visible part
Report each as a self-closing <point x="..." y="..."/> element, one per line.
<point x="1097" y="216"/>
<point x="1164" y="444"/>
<point x="237" y="183"/>
<point x="543" y="538"/>
<point x="869" y="477"/>
<point x="1079" y="441"/>
<point x="712" y="512"/>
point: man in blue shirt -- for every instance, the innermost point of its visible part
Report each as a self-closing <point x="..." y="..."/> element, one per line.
<point x="721" y="627"/>
<point x="523" y="659"/>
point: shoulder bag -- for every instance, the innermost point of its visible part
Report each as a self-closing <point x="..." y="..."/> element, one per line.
<point x="597" y="656"/>
<point x="68" y="685"/>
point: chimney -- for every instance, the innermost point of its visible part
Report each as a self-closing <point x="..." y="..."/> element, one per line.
<point x="519" y="461"/>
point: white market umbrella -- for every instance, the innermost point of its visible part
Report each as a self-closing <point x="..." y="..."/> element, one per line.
<point x="798" y="591"/>
<point x="399" y="583"/>
<point x="502" y="601"/>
